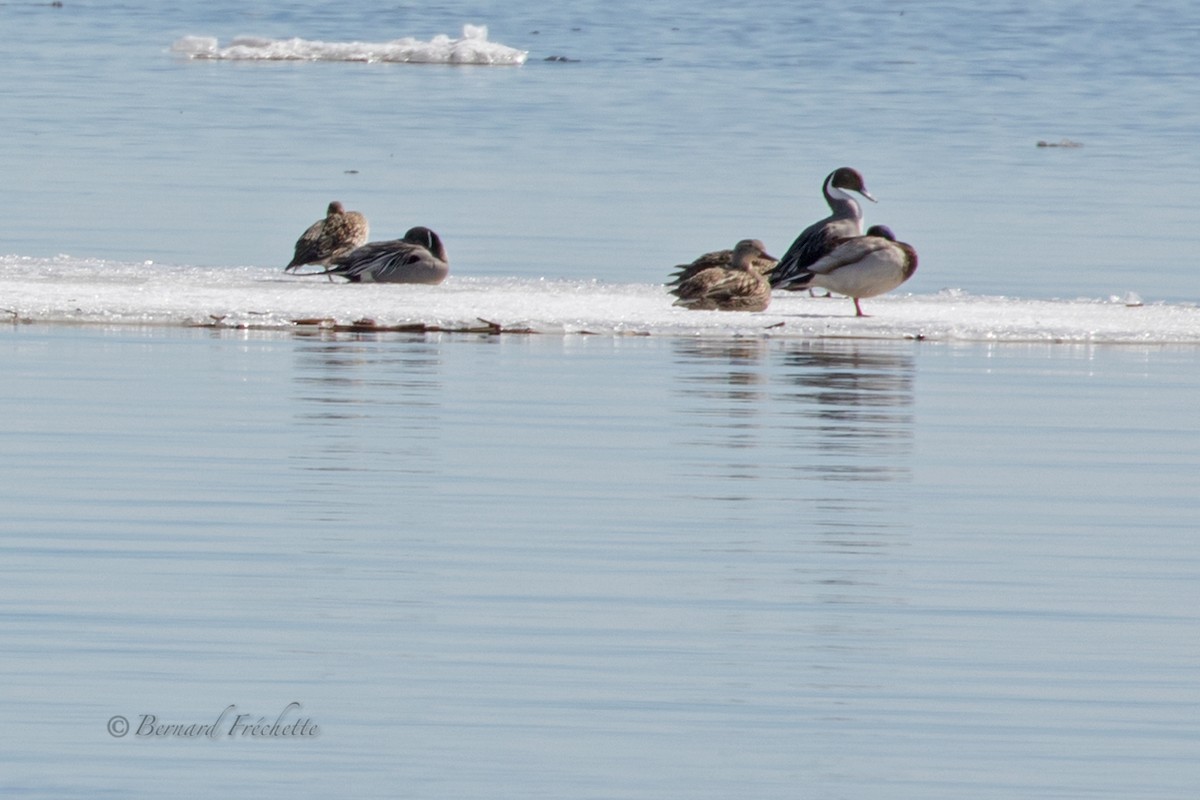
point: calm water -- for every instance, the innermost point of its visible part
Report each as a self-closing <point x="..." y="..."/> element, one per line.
<point x="602" y="566"/>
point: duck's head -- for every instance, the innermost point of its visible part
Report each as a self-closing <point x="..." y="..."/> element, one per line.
<point x="849" y="179"/>
<point x="420" y="235"/>
<point x="882" y="231"/>
<point x="745" y="251"/>
<point x="334" y="209"/>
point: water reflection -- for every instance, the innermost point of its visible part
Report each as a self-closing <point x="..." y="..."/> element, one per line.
<point x="367" y="412"/>
<point x="353" y="377"/>
<point x="799" y="455"/>
<point x="856" y="401"/>
<point x="738" y="376"/>
<point x="811" y="437"/>
<point x="582" y="517"/>
<point x="829" y="411"/>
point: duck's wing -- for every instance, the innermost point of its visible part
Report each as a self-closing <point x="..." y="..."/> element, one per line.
<point x="369" y="260"/>
<point x="854" y="252"/>
<point x="403" y="265"/>
<point x="725" y="289"/>
<point x="698" y="285"/>
<point x="737" y="284"/>
<point x="813" y="242"/>
<point x="715" y="259"/>
<point x="850" y="251"/>
<point x="309" y="246"/>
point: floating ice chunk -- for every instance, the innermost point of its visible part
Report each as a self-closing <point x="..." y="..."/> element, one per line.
<point x="472" y="48"/>
<point x="196" y="46"/>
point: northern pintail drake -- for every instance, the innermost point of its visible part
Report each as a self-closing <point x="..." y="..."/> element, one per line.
<point x="861" y="266"/>
<point x="420" y="257"/>
<point x="737" y="287"/>
<point x="337" y="234"/>
<point x="751" y="249"/>
<point x="844" y="221"/>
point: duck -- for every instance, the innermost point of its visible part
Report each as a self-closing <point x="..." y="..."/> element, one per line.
<point x="752" y="248"/>
<point x="844" y="221"/>
<point x="419" y="257"/>
<point x="337" y="234"/>
<point x="741" y="286"/>
<point x="860" y="266"/>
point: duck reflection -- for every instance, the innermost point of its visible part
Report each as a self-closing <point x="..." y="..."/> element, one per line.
<point x="352" y="377"/>
<point x="368" y="404"/>
<point x="856" y="401"/>
<point x="772" y="425"/>
<point x="795" y="463"/>
<point x="841" y="397"/>
<point x="730" y="378"/>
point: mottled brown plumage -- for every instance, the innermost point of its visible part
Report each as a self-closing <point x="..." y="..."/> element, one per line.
<point x="737" y="287"/>
<point x="340" y="232"/>
<point x="751" y="248"/>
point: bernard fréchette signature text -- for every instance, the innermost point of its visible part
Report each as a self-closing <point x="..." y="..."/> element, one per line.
<point x="229" y="724"/>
